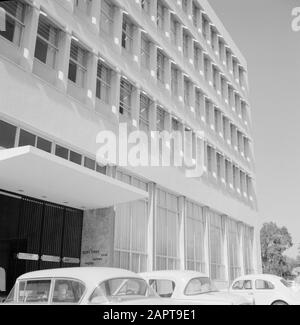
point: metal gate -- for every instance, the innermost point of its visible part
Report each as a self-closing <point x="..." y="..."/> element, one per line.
<point x="44" y="236"/>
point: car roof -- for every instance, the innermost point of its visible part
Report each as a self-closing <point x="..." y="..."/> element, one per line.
<point x="180" y="275"/>
<point x="258" y="277"/>
<point x="88" y="275"/>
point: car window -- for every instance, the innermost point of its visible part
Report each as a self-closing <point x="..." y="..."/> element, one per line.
<point x="11" y="296"/>
<point x="247" y="285"/>
<point x="123" y="288"/>
<point x="164" y="288"/>
<point x="67" y="292"/>
<point x="286" y="283"/>
<point x="34" y="291"/>
<point x="198" y="286"/>
<point x="238" y="285"/>
<point x="263" y="285"/>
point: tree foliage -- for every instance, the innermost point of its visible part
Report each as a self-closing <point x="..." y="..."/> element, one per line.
<point x="274" y="242"/>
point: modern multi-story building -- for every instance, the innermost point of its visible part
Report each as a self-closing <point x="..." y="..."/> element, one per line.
<point x="72" y="68"/>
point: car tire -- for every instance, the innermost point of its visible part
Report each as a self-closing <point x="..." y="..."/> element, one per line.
<point x="279" y="303"/>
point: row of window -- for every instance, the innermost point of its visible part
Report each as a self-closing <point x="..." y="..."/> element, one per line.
<point x="131" y="233"/>
<point x="230" y="174"/>
<point x="204" y="26"/>
<point x="12" y="136"/>
<point x="201" y="59"/>
<point x="46" y="51"/>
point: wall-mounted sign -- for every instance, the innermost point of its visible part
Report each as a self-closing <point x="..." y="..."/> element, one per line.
<point x="49" y="258"/>
<point x="71" y="260"/>
<point x="27" y="257"/>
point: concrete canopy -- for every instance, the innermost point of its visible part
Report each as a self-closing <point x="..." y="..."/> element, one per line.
<point x="38" y="174"/>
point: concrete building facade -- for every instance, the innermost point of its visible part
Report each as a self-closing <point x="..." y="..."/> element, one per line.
<point x="72" y="68"/>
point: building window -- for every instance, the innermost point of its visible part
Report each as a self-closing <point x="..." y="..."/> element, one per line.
<point x="26" y="139"/>
<point x="227" y="172"/>
<point x="160" y="67"/>
<point x="107" y="17"/>
<point x="145" y="53"/>
<point x="219" y="165"/>
<point x="205" y="24"/>
<point x="167" y="231"/>
<point x="215" y="78"/>
<point x="46" y="47"/>
<point x="160" y="119"/>
<point x="195" y="238"/>
<point x="207" y="112"/>
<point x="145" y="105"/>
<point x="7" y="135"/>
<point x="127" y="34"/>
<point x="210" y="159"/>
<point x="174" y="80"/>
<point x="126" y="90"/>
<point x="14" y="25"/>
<point x="84" y="6"/>
<point x="160" y="19"/>
<point x="198" y="57"/>
<point x="131" y="230"/>
<point x="198" y="102"/>
<point x="146" y="6"/>
<point x="174" y="30"/>
<point x="103" y="86"/>
<point x="216" y="247"/>
<point x="233" y="250"/>
<point x="78" y="64"/>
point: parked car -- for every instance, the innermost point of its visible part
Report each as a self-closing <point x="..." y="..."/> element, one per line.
<point x="83" y="286"/>
<point x="192" y="287"/>
<point x="266" y="289"/>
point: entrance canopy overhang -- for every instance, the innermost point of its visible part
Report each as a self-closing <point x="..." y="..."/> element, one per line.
<point x="38" y="174"/>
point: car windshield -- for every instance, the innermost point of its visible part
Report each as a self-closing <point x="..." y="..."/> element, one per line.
<point x="121" y="289"/>
<point x="200" y="285"/>
<point x="286" y="283"/>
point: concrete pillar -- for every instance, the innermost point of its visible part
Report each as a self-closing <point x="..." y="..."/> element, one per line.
<point x="226" y="130"/>
<point x="168" y="74"/>
<point x="229" y="62"/>
<point x="192" y="100"/>
<point x="182" y="233"/>
<point x="135" y="108"/>
<point x="222" y="52"/>
<point x="63" y="59"/>
<point x="235" y="71"/>
<point x="153" y="11"/>
<point x="180" y="37"/>
<point x="98" y="238"/>
<point x="225" y="247"/>
<point x="115" y="90"/>
<point x="180" y="86"/>
<point x="151" y="227"/>
<point x="191" y="51"/>
<point x="215" y="42"/>
<point x="223" y="170"/>
<point x="153" y="116"/>
<point x="241" y="230"/>
<point x="153" y="60"/>
<point x="167" y="26"/>
<point x="31" y="22"/>
<point x="212" y="116"/>
<point x="91" y="79"/>
<point x="206" y="240"/>
<point x="137" y="40"/>
<point x="117" y="27"/>
<point x="96" y="14"/>
<point x="233" y="131"/>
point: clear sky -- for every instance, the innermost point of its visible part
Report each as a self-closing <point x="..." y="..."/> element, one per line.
<point x="263" y="33"/>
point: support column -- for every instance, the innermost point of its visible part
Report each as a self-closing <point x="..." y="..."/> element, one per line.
<point x="167" y="27"/>
<point x="153" y="11"/>
<point x="115" y="91"/>
<point x="206" y="217"/>
<point x="137" y="40"/>
<point x="63" y="58"/>
<point x="151" y="228"/>
<point x="31" y="22"/>
<point x="153" y="60"/>
<point x="91" y="79"/>
<point x="135" y="112"/>
<point x="117" y="27"/>
<point x="98" y="238"/>
<point x="241" y="245"/>
<point x="182" y="233"/>
<point x="96" y="14"/>
<point x="168" y="74"/>
<point x="180" y="86"/>
<point x="225" y="248"/>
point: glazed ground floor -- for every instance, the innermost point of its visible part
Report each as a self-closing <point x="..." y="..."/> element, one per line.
<point x="37" y="235"/>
